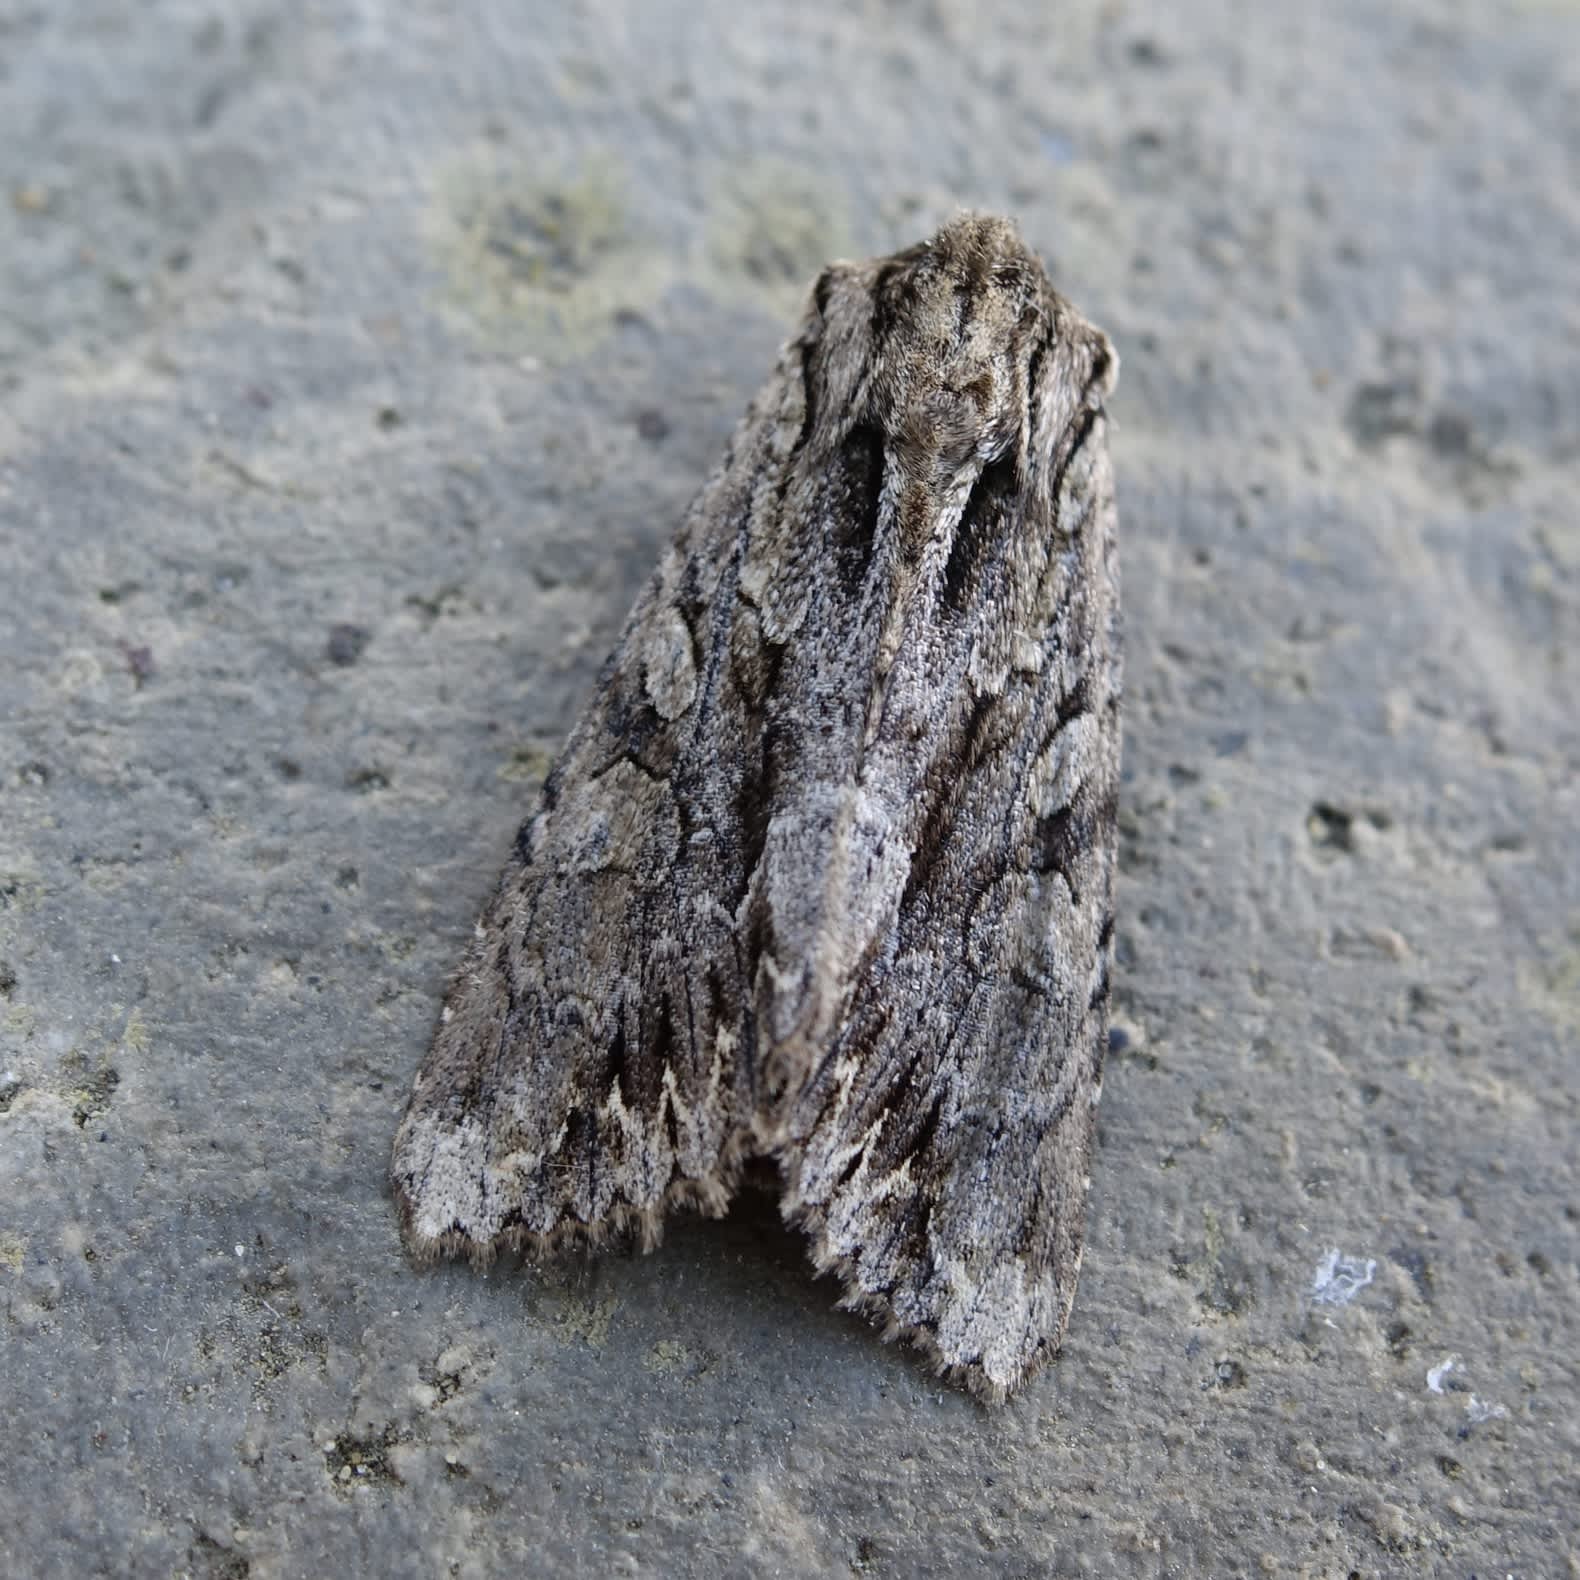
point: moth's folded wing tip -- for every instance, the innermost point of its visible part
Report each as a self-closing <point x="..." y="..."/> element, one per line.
<point x="423" y="1245"/>
<point x="422" y="1250"/>
<point x="968" y="1372"/>
<point x="987" y="1387"/>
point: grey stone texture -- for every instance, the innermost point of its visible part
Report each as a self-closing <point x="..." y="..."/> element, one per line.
<point x="355" y="361"/>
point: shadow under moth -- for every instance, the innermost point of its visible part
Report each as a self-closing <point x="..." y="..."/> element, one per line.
<point x="824" y="877"/>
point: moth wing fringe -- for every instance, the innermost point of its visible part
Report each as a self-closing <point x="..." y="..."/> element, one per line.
<point x="879" y="1312"/>
<point x="640" y="1227"/>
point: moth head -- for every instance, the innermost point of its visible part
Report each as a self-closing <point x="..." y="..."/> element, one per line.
<point x="934" y="346"/>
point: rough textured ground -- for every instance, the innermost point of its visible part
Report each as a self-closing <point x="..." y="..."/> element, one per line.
<point x="355" y="360"/>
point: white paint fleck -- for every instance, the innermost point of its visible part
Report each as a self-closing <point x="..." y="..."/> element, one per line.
<point x="1476" y="1410"/>
<point x="1341" y="1278"/>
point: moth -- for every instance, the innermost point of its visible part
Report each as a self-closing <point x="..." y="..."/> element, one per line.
<point x="823" y="880"/>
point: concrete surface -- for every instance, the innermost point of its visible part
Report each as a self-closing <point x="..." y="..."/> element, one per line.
<point x="355" y="360"/>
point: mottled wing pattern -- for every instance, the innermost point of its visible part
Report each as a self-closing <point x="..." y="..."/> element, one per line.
<point x="587" y="1073"/>
<point x="938" y="1150"/>
<point x="825" y="873"/>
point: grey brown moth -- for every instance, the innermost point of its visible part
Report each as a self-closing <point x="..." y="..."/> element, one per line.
<point x="824" y="876"/>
